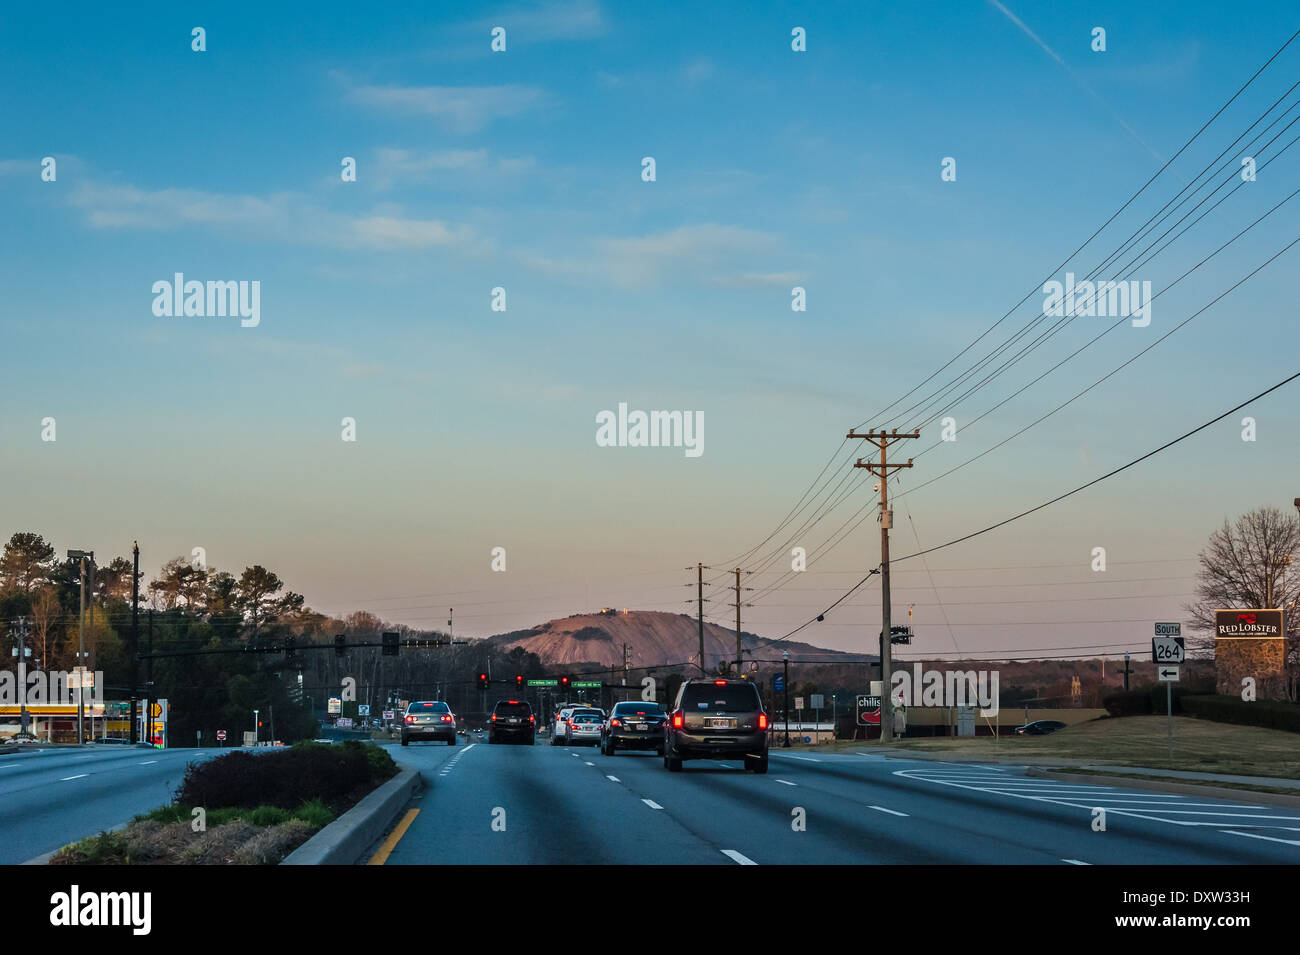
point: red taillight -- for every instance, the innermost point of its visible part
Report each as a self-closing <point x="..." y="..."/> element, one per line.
<point x="494" y="717"/>
<point x="762" y="721"/>
<point x="531" y="718"/>
<point x="677" y="720"/>
<point x="615" y="723"/>
<point x="719" y="682"/>
<point x="446" y="719"/>
<point x="410" y="719"/>
<point x="512" y="702"/>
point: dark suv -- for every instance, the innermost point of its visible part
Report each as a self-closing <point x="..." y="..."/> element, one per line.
<point x="633" y="724"/>
<point x="512" y="719"/>
<point x="716" y="718"/>
<point x="429" y="719"/>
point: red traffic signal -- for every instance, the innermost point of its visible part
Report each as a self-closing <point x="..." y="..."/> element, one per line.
<point x="564" y="682"/>
<point x="519" y="680"/>
<point x="482" y="681"/>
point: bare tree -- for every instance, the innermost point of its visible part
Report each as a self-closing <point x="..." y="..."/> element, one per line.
<point x="1250" y="564"/>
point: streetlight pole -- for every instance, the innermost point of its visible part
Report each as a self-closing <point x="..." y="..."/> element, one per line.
<point x="256" y="724"/>
<point x="82" y="555"/>
<point x="785" y="661"/>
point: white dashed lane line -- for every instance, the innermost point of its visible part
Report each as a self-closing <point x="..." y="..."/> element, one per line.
<point x="149" y="762"/>
<point x="806" y="759"/>
<point x="652" y="804"/>
<point x="612" y="779"/>
<point x="1255" y="835"/>
<point x="737" y="858"/>
<point x="1076" y="862"/>
<point x="450" y="764"/>
<point x="892" y="812"/>
<point x="786" y="782"/>
<point x="78" y="776"/>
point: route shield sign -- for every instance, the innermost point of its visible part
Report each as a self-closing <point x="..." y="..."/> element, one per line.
<point x="1166" y="650"/>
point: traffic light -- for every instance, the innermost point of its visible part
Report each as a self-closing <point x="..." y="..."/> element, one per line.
<point x="564" y="683"/>
<point x="340" y="645"/>
<point x="290" y="646"/>
<point x="482" y="681"/>
<point x="390" y="645"/>
<point x="519" y="681"/>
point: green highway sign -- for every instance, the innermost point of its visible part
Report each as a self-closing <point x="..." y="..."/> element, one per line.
<point x="543" y="682"/>
<point x="585" y="684"/>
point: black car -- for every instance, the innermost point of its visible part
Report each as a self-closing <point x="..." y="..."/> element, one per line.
<point x="512" y="719"/>
<point x="1039" y="728"/>
<point x="429" y="719"/>
<point x="716" y="718"/>
<point x="633" y="724"/>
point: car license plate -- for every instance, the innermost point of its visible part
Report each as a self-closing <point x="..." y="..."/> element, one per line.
<point x="719" y="724"/>
<point x="639" y="726"/>
<point x="512" y="720"/>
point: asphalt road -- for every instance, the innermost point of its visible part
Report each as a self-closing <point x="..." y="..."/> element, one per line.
<point x="51" y="797"/>
<point x="514" y="804"/>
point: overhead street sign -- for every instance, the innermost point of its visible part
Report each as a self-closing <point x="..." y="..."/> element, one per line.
<point x="1168" y="674"/>
<point x="1167" y="650"/>
<point x="1169" y="630"/>
<point x="543" y="682"/>
<point x="586" y="684"/>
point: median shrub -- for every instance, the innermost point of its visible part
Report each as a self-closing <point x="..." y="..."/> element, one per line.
<point x="1232" y="709"/>
<point x="334" y="775"/>
<point x="1128" y="703"/>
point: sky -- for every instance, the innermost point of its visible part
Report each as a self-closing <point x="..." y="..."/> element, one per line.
<point x="524" y="170"/>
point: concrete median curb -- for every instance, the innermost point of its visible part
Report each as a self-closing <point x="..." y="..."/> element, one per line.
<point x="344" y="840"/>
<point x="1181" y="789"/>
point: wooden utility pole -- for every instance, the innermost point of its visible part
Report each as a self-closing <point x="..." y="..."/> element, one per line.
<point x="883" y="439"/>
<point x="740" y="663"/>
<point x="700" y="601"/>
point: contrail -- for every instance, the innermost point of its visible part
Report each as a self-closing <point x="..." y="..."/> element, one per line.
<point x="1075" y="76"/>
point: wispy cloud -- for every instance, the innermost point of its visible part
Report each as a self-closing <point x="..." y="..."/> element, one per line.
<point x="281" y="216"/>
<point x="404" y="165"/>
<point x="707" y="254"/>
<point x="461" y="109"/>
<point x="552" y="20"/>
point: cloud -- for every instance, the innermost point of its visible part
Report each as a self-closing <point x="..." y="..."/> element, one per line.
<point x="463" y="109"/>
<point x="707" y="254"/>
<point x="283" y="216"/>
<point x="554" y="20"/>
<point x="408" y="166"/>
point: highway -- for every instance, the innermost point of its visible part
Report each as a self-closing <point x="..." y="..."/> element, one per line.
<point x="572" y="805"/>
<point x="51" y="797"/>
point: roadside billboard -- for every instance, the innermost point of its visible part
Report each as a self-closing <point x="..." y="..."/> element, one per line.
<point x="1249" y="645"/>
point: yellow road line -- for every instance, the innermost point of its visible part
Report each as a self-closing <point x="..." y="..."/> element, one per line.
<point x="381" y="856"/>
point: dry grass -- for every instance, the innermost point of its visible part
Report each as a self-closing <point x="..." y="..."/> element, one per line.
<point x="1199" y="746"/>
<point x="149" y="842"/>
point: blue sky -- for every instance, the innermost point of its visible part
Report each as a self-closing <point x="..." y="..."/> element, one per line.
<point x="522" y="170"/>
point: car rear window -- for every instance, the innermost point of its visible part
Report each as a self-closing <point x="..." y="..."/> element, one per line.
<point x="513" y="709"/>
<point x="731" y="698"/>
<point x="432" y="707"/>
<point x="637" y="709"/>
<point x="586" y="718"/>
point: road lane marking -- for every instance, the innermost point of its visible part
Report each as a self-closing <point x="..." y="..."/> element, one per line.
<point x="1253" y="835"/>
<point x="787" y="782"/>
<point x="589" y="763"/>
<point x="612" y="778"/>
<point x="149" y="762"/>
<point x="892" y="812"/>
<point x="737" y="858"/>
<point x="78" y="776"/>
<point x="389" y="844"/>
<point x="652" y="804"/>
<point x="806" y="759"/>
<point x="1076" y="862"/>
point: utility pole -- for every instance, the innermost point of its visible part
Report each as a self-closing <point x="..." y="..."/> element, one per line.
<point x="882" y="440"/>
<point x="785" y="683"/>
<point x="740" y="663"/>
<point x="135" y="636"/>
<point x="148" y="691"/>
<point x="700" y="602"/>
